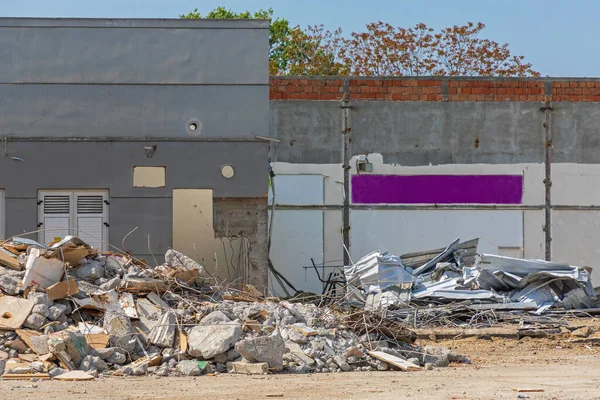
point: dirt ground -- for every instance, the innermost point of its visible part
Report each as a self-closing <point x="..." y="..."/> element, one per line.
<point x="561" y="370"/>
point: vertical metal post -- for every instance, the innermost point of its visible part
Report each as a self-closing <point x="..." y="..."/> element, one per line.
<point x="346" y="155"/>
<point x="547" y="109"/>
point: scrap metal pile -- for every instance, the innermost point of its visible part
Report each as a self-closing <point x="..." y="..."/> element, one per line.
<point x="69" y="312"/>
<point x="456" y="286"/>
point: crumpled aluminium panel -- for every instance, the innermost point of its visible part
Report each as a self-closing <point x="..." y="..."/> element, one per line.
<point x="385" y="281"/>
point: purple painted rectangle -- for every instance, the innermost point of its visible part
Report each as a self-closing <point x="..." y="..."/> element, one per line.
<point x="437" y="189"/>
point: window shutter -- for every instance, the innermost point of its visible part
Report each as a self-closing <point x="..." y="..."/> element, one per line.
<point x="56" y="210"/>
<point x="90" y="219"/>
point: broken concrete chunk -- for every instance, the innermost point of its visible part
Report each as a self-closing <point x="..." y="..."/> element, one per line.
<point x="296" y="336"/>
<point x="93" y="363"/>
<point x="54" y="372"/>
<point x="104" y="353"/>
<point x="247" y="368"/>
<point x="341" y="362"/>
<point x="10" y="285"/>
<point x="157" y="301"/>
<point x="91" y="271"/>
<point x="39" y="344"/>
<point x="128" y="305"/>
<point x="175" y="259"/>
<point x="149" y="315"/>
<point x="140" y="369"/>
<point x="215" y="317"/>
<point x="41" y="309"/>
<point x="114" y="267"/>
<point x="163" y="334"/>
<point x="436" y="360"/>
<point x="34" y="321"/>
<point x="117" y="358"/>
<point x="40" y="298"/>
<point x="210" y="340"/>
<point x="75" y="344"/>
<point x="582" y="332"/>
<point x="56" y="311"/>
<point x="267" y="349"/>
<point x="220" y="358"/>
<point x="114" y="283"/>
<point x="191" y="367"/>
<point x="120" y="330"/>
<point x="444" y="351"/>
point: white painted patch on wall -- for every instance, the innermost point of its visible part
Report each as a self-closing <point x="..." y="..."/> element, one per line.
<point x="149" y="177"/>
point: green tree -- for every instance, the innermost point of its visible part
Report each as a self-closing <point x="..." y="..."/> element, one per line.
<point x="279" y="32"/>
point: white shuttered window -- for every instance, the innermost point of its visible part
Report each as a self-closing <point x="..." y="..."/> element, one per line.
<point x="83" y="214"/>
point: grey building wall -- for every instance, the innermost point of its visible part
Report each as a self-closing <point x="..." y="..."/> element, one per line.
<point x="81" y="98"/>
<point x="415" y="133"/>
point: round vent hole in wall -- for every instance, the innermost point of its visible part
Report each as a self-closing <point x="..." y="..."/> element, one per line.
<point x="227" y="171"/>
<point x="193" y="126"/>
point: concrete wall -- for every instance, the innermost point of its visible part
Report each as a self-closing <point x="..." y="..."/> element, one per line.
<point x="449" y="126"/>
<point x="82" y="98"/>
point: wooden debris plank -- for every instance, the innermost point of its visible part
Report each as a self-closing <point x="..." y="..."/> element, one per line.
<point x="9" y="261"/>
<point x="183" y="342"/>
<point x="306" y="331"/>
<point x="62" y="289"/>
<point x="74" y="256"/>
<point x="238" y="298"/>
<point x="97" y="340"/>
<point x="28" y="357"/>
<point x="41" y="376"/>
<point x="528" y="390"/>
<point x="13" y="250"/>
<point x="252" y="324"/>
<point x="403" y="365"/>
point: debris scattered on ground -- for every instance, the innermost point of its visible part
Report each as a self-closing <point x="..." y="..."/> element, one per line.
<point x="70" y="312"/>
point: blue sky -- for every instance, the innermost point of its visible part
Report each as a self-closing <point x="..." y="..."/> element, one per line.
<point x="559" y="37"/>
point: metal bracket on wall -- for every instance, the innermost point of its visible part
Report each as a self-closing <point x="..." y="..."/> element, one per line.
<point x="547" y="228"/>
<point x="346" y="155"/>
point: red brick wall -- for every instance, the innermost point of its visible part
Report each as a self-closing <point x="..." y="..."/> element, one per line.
<point x="435" y="89"/>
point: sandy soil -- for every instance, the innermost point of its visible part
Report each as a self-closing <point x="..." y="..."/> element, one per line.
<point x="561" y="369"/>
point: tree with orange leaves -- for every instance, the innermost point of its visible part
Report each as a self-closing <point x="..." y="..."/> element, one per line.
<point x="455" y="51"/>
<point x="382" y="50"/>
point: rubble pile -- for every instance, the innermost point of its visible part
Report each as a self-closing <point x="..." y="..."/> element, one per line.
<point x="69" y="312"/>
<point x="457" y="281"/>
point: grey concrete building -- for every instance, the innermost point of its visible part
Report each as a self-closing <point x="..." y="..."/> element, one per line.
<point x="137" y="133"/>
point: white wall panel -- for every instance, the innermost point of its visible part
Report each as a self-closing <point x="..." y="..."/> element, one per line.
<point x="298" y="190"/>
<point x="576" y="239"/>
<point x="297" y="237"/>
<point x="408" y="231"/>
